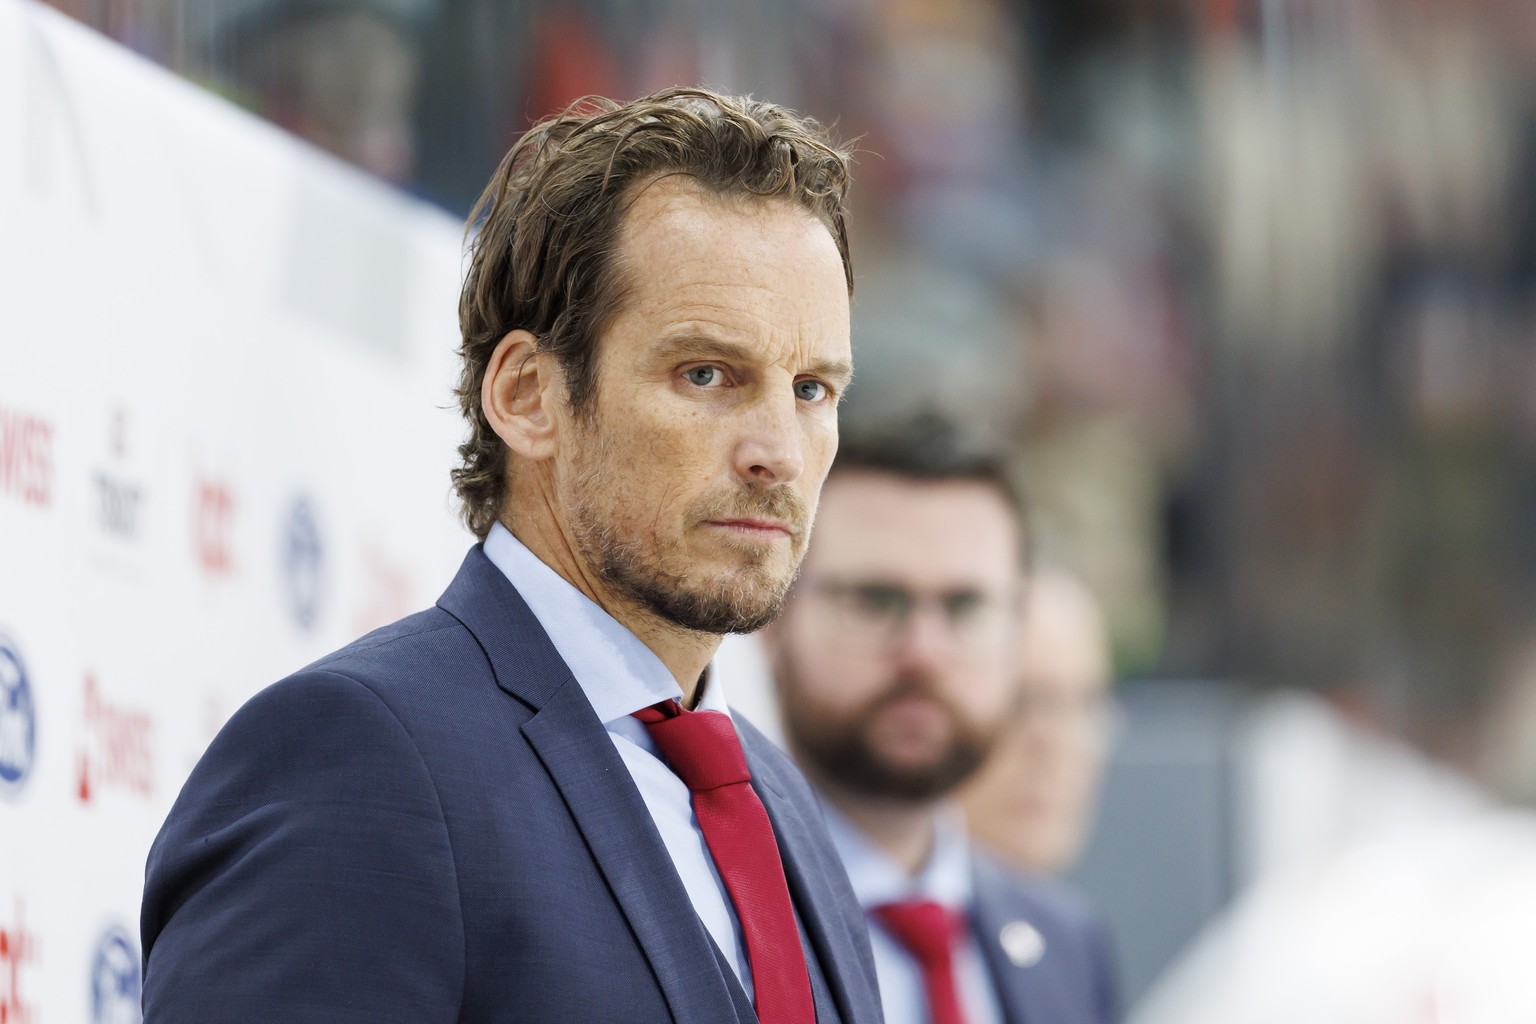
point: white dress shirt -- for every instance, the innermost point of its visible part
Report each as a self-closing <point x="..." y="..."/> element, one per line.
<point x="620" y="675"/>
<point x="945" y="879"/>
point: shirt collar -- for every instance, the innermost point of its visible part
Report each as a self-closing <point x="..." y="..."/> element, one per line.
<point x="877" y="879"/>
<point x="616" y="671"/>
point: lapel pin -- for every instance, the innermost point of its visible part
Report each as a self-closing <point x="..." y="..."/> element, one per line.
<point x="1022" y="942"/>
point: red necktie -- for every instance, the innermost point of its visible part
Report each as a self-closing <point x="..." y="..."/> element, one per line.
<point x="703" y="750"/>
<point x="929" y="931"/>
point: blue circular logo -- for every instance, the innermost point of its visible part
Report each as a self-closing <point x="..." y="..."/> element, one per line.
<point x="303" y="559"/>
<point x="116" y="983"/>
<point x="18" y="720"/>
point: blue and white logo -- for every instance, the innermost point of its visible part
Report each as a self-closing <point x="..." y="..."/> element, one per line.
<point x="18" y="720"/>
<point x="115" y="980"/>
<point x="303" y="562"/>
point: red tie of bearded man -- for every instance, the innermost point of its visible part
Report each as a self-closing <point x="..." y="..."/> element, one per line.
<point x="929" y="931"/>
<point x="703" y="750"/>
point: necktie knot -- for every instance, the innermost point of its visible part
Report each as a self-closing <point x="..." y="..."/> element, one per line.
<point x="701" y="746"/>
<point x="927" y="930"/>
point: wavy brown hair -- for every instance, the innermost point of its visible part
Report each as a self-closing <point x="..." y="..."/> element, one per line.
<point x="549" y="222"/>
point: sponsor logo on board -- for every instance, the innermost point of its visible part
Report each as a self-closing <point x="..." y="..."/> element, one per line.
<point x="26" y="458"/>
<point x="117" y="749"/>
<point x="116" y="979"/>
<point x="18" y="720"/>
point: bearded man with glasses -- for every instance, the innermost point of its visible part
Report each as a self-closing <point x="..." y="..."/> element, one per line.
<point x="894" y="667"/>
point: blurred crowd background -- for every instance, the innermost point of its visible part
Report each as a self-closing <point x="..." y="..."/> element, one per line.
<point x="1249" y="286"/>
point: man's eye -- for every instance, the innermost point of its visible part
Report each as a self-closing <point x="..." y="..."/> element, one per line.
<point x="883" y="602"/>
<point x="810" y="390"/>
<point x="965" y="606"/>
<point x="705" y="376"/>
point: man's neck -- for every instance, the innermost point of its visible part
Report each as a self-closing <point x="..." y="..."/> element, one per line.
<point x="685" y="652"/>
<point x="902" y="829"/>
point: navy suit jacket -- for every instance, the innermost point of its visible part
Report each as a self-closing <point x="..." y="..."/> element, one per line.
<point x="432" y="825"/>
<point x="1073" y="979"/>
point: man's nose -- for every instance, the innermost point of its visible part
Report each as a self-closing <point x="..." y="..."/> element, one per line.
<point x="771" y="448"/>
<point x="925" y="640"/>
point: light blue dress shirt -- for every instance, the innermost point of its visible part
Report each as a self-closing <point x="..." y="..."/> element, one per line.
<point x="945" y="879"/>
<point x="620" y="675"/>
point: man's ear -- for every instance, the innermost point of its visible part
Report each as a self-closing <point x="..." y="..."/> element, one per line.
<point x="518" y="396"/>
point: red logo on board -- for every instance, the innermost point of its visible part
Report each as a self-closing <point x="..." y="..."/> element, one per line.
<point x="26" y="458"/>
<point x="118" y="749"/>
<point x="17" y="947"/>
<point x="387" y="585"/>
<point x="213" y="519"/>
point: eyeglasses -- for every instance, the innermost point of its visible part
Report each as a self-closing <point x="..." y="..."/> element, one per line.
<point x="874" y="615"/>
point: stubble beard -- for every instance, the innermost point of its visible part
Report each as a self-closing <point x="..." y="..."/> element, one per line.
<point x="743" y="601"/>
<point x="844" y="753"/>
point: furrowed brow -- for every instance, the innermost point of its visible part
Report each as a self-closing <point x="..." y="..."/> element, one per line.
<point x="837" y="372"/>
<point x="705" y="346"/>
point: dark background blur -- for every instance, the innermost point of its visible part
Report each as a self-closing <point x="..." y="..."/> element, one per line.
<point x="1247" y="284"/>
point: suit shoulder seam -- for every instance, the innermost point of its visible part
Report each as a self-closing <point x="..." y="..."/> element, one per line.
<point x="385" y="641"/>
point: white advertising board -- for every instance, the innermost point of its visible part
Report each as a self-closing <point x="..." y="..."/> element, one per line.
<point x="226" y="428"/>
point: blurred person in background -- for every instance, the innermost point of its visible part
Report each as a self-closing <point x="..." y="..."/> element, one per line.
<point x="1371" y="297"/>
<point x="343" y="74"/>
<point x="894" y="662"/>
<point x="1033" y="800"/>
<point x="1385" y="886"/>
<point x="530" y="802"/>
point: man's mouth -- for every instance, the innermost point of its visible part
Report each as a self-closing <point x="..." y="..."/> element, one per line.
<point x="767" y="529"/>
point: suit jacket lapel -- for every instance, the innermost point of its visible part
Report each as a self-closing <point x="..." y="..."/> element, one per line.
<point x="1025" y="992"/>
<point x="806" y="870"/>
<point x="618" y="829"/>
<point x="746" y="1013"/>
<point x="597" y="788"/>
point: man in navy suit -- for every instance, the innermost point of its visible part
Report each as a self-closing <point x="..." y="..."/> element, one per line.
<point x="530" y="803"/>
<point x="894" y="670"/>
